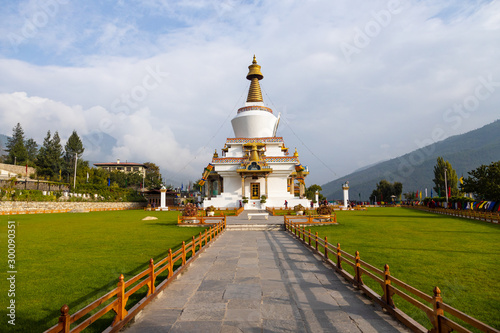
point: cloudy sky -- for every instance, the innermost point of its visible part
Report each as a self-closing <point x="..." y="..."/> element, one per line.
<point x="356" y="82"/>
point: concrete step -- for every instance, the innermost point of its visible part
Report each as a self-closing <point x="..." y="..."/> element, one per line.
<point x="253" y="226"/>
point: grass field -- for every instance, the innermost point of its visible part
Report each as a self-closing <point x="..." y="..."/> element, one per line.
<point x="75" y="258"/>
<point x="460" y="256"/>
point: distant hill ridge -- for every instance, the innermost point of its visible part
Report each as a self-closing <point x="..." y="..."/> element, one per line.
<point x="415" y="170"/>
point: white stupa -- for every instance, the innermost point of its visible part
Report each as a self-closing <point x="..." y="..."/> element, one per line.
<point x="255" y="162"/>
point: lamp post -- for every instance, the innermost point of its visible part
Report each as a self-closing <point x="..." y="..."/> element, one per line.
<point x="74" y="178"/>
<point x="446" y="186"/>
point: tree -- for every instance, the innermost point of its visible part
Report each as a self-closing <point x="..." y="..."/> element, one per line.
<point x="32" y="150"/>
<point x="451" y="178"/>
<point x="73" y="147"/>
<point x="484" y="182"/>
<point x="311" y="192"/>
<point x="17" y="153"/>
<point x="385" y="190"/>
<point x="153" y="176"/>
<point x="49" y="160"/>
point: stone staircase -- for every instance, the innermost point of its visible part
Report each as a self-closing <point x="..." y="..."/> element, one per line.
<point x="255" y="226"/>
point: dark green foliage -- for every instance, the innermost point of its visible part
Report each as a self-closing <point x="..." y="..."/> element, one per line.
<point x="32" y="151"/>
<point x="72" y="148"/>
<point x="484" y="182"/>
<point x="311" y="192"/>
<point x="49" y="161"/>
<point x="451" y="177"/>
<point x="153" y="176"/>
<point x="15" y="147"/>
<point x="386" y="190"/>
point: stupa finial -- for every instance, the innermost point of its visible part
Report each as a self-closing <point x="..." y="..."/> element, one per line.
<point x="254" y="75"/>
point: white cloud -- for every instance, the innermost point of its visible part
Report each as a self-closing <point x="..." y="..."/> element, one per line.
<point x="427" y="57"/>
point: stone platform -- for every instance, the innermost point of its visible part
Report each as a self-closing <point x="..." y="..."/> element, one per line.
<point x="261" y="281"/>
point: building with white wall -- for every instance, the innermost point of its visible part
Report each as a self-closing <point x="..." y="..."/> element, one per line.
<point x="255" y="162"/>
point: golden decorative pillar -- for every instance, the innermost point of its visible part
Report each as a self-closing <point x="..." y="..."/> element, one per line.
<point x="292" y="186"/>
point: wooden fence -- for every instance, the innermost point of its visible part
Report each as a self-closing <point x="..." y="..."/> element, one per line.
<point x="390" y="287"/>
<point x="200" y="220"/>
<point x="116" y="299"/>
<point x="469" y="214"/>
<point x="310" y="219"/>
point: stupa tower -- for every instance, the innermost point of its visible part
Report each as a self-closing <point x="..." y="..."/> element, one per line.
<point x="254" y="120"/>
<point x="255" y="169"/>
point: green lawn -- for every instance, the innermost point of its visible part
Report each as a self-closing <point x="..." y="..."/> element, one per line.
<point x="75" y="258"/>
<point x="460" y="256"/>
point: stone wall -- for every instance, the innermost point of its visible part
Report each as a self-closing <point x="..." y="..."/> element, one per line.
<point x="41" y="185"/>
<point x="14" y="170"/>
<point x="7" y="206"/>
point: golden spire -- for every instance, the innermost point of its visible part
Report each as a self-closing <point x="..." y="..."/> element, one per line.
<point x="296" y="154"/>
<point x="254" y="75"/>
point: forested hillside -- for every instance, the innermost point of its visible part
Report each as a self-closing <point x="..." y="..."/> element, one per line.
<point x="415" y="170"/>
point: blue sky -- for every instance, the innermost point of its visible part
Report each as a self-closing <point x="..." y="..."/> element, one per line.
<point x="356" y="82"/>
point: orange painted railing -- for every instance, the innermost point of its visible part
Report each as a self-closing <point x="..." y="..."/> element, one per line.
<point x="390" y="287"/>
<point x="201" y="220"/>
<point x="311" y="219"/>
<point x="469" y="214"/>
<point x="125" y="289"/>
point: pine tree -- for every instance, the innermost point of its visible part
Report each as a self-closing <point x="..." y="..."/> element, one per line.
<point x="451" y="178"/>
<point x="15" y="147"/>
<point x="49" y="160"/>
<point x="73" y="146"/>
<point x="32" y="150"/>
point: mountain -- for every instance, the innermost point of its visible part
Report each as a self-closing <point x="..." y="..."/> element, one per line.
<point x="415" y="170"/>
<point x="3" y="143"/>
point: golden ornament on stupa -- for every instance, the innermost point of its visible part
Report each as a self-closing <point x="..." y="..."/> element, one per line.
<point x="254" y="75"/>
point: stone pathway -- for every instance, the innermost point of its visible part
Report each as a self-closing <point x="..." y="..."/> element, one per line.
<point x="261" y="281"/>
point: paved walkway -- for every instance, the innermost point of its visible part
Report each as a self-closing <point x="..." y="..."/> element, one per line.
<point x="261" y="281"/>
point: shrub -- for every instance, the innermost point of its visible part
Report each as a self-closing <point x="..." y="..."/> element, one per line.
<point x="190" y="210"/>
<point x="210" y="209"/>
<point x="263" y="199"/>
<point x="299" y="208"/>
<point x="324" y="210"/>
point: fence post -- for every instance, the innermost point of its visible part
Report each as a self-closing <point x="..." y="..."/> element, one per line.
<point x="436" y="301"/>
<point x="65" y="318"/>
<point x="206" y="237"/>
<point x="387" y="290"/>
<point x="326" y="248"/>
<point x="210" y="234"/>
<point x="170" y="264"/>
<point x="183" y="253"/>
<point x="193" y="251"/>
<point x="316" y="239"/>
<point x="357" y="278"/>
<point x="121" y="313"/>
<point x="339" y="260"/>
<point x="309" y="235"/>
<point x="304" y="233"/>
<point x="151" y="277"/>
